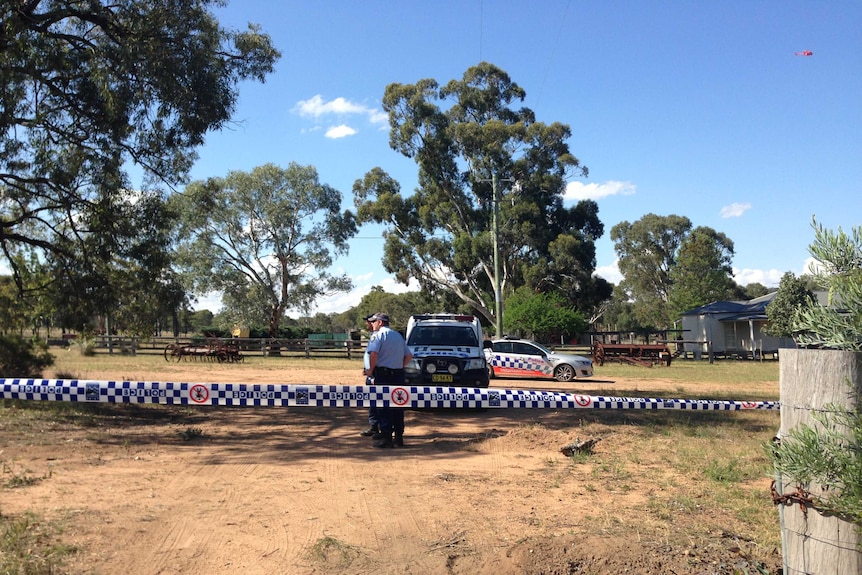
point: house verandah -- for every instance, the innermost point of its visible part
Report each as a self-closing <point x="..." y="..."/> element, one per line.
<point x="731" y="329"/>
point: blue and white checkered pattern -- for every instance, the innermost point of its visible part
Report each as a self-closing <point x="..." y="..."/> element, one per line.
<point x="522" y="363"/>
<point x="247" y="395"/>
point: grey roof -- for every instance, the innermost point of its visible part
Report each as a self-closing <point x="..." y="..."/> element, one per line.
<point x="754" y="309"/>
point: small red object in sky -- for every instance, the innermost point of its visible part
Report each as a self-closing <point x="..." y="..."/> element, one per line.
<point x="805" y="53"/>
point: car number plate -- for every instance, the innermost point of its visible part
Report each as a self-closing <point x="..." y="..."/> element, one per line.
<point x="441" y="378"/>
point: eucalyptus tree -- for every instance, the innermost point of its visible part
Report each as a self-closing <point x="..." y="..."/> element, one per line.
<point x="90" y="90"/>
<point x="647" y="251"/>
<point x="703" y="271"/>
<point x="265" y="238"/>
<point x="481" y="159"/>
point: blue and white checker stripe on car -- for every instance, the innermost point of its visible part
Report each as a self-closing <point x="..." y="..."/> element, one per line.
<point x="525" y="364"/>
<point x="277" y="395"/>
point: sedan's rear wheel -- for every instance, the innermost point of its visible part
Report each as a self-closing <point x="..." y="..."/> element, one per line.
<point x="564" y="372"/>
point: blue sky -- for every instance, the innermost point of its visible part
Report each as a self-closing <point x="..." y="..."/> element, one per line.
<point x="693" y="108"/>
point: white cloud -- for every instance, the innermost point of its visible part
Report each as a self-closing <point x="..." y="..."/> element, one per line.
<point x="734" y="210"/>
<point x="576" y="191"/>
<point x="318" y="108"/>
<point x="341" y="131"/>
<point x="378" y="117"/>
<point x="769" y="278"/>
<point x="610" y="273"/>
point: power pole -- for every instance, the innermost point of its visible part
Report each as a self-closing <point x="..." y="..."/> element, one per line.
<point x="498" y="296"/>
<point x="495" y="224"/>
<point x="495" y="230"/>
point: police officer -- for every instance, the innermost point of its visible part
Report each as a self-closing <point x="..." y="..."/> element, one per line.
<point x="387" y="355"/>
<point x="373" y="427"/>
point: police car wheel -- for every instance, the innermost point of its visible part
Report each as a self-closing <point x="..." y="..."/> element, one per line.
<point x="564" y="373"/>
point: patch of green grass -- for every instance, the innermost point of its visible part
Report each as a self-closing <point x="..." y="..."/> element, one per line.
<point x="724" y="471"/>
<point x="14" y="479"/>
<point x="333" y="553"/>
<point x="28" y="545"/>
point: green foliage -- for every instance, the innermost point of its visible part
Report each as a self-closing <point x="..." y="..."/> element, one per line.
<point x="702" y="273"/>
<point x="197" y="320"/>
<point x="753" y="290"/>
<point x="542" y="316"/>
<point x="647" y="251"/>
<point x="84" y="343"/>
<point x="838" y="325"/>
<point x="399" y="307"/>
<point x="477" y="150"/>
<point x="792" y="295"/>
<point x="28" y="547"/>
<point x="265" y="239"/>
<point x="88" y="89"/>
<point x="23" y="358"/>
<point x="619" y="314"/>
<point x="12" y="313"/>
<point x="828" y="456"/>
<point x="668" y="268"/>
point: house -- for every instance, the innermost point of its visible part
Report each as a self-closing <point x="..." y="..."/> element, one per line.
<point x="733" y="328"/>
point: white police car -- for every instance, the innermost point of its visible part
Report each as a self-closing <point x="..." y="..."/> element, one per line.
<point x="524" y="358"/>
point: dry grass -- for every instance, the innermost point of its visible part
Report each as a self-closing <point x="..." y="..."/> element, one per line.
<point x="687" y="471"/>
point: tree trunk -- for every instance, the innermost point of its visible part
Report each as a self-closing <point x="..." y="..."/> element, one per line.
<point x="810" y="380"/>
<point x="274" y="321"/>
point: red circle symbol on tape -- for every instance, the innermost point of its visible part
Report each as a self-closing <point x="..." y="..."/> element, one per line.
<point x="400" y="396"/>
<point x="199" y="393"/>
<point x="582" y="400"/>
<point x="748" y="405"/>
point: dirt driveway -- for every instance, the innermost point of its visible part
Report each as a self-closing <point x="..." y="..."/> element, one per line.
<point x="211" y="491"/>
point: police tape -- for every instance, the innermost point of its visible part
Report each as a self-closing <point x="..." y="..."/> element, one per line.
<point x="277" y="395"/>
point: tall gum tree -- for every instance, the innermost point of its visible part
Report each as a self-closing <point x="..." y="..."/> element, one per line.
<point x="669" y="268"/>
<point x="466" y="137"/>
<point x="703" y="271"/>
<point x="265" y="238"/>
<point x="647" y="251"/>
<point x="88" y="89"/>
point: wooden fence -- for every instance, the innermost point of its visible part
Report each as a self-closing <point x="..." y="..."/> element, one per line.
<point x="199" y="347"/>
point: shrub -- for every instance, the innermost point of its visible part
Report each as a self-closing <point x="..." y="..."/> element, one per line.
<point x="23" y="358"/>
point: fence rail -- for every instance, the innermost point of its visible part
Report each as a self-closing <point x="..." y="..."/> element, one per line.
<point x="244" y="345"/>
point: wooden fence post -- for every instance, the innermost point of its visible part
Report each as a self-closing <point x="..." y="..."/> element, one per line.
<point x="811" y="380"/>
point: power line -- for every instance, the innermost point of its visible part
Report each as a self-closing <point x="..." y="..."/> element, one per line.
<point x="553" y="52"/>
